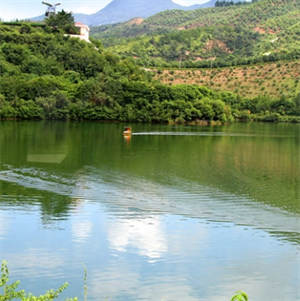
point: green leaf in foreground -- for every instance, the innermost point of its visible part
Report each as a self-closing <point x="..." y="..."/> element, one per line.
<point x="240" y="296"/>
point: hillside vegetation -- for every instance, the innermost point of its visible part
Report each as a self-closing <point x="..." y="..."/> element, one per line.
<point x="263" y="31"/>
<point x="277" y="79"/>
<point x="46" y="75"/>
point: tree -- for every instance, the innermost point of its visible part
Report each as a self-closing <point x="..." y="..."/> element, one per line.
<point x="62" y="21"/>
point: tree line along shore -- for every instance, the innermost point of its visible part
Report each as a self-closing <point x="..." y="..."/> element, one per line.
<point x="46" y="74"/>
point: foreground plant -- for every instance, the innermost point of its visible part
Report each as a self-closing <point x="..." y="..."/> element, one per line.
<point x="240" y="296"/>
<point x="10" y="290"/>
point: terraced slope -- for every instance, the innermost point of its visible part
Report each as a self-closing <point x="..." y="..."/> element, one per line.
<point x="275" y="80"/>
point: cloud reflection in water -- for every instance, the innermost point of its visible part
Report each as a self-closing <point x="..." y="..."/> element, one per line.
<point x="146" y="235"/>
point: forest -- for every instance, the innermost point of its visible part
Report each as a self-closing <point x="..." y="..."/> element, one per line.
<point x="48" y="75"/>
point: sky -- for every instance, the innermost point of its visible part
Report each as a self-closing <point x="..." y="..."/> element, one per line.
<point x="21" y="9"/>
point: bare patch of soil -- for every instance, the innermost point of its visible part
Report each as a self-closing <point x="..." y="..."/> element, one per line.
<point x="199" y="58"/>
<point x="135" y="21"/>
<point x="260" y="30"/>
<point x="216" y="43"/>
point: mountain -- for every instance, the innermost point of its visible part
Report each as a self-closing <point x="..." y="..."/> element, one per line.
<point x="124" y="10"/>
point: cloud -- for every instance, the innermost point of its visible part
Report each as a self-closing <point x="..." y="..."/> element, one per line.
<point x="4" y="227"/>
<point x="87" y="10"/>
<point x="121" y="282"/>
<point x="35" y="262"/>
<point x="144" y="234"/>
<point x="81" y="230"/>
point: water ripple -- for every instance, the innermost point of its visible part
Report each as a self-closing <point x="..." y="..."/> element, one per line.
<point x="221" y="134"/>
<point x="190" y="199"/>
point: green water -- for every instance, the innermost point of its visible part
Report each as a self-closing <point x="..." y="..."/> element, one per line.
<point x="174" y="212"/>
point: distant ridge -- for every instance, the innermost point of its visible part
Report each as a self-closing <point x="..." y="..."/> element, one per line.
<point x="124" y="10"/>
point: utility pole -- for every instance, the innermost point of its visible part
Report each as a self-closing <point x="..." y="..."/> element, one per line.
<point x="51" y="8"/>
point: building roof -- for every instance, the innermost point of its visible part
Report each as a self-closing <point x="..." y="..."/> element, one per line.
<point x="79" y="24"/>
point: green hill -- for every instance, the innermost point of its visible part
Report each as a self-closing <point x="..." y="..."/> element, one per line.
<point x="268" y="30"/>
<point x="47" y="75"/>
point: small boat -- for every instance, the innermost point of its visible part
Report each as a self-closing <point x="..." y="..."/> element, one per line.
<point x="127" y="131"/>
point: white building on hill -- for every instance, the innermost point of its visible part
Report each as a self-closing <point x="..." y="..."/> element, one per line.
<point x="84" y="32"/>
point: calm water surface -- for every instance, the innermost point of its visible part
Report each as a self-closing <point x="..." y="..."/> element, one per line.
<point x="174" y="213"/>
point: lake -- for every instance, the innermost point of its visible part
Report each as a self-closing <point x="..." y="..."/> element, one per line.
<point x="175" y="212"/>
